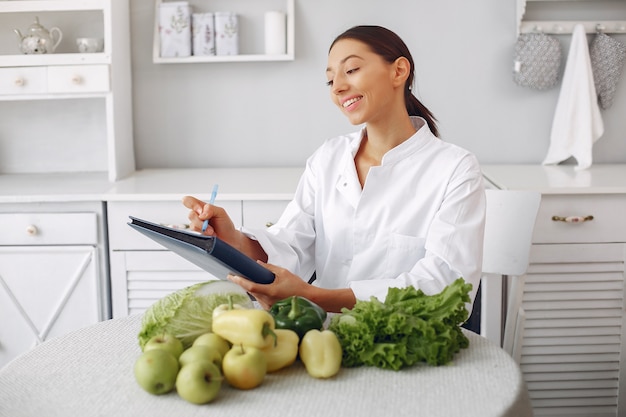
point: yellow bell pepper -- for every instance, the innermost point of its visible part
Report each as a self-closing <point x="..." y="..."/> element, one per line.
<point x="230" y="305"/>
<point x="226" y="307"/>
<point x="321" y="352"/>
<point x="249" y="327"/>
<point x="284" y="352"/>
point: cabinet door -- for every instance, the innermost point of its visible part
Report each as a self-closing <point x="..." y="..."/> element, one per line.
<point x="566" y="329"/>
<point x="258" y="214"/>
<point x="45" y="291"/>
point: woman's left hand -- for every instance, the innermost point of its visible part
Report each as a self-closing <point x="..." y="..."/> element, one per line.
<point x="285" y="285"/>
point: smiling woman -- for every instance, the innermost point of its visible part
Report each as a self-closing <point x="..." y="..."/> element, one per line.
<point x="390" y="205"/>
<point x="389" y="47"/>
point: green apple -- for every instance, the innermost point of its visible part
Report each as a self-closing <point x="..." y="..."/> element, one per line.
<point x="199" y="382"/>
<point x="213" y="340"/>
<point x="244" y="367"/>
<point x="167" y="342"/>
<point x="201" y="353"/>
<point x="156" y="370"/>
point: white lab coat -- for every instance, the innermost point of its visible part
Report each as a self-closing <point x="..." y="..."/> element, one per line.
<point x="418" y="220"/>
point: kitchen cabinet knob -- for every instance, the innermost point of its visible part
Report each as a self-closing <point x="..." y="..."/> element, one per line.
<point x="77" y="79"/>
<point x="572" y="219"/>
<point x="31" y="230"/>
<point x="19" y="82"/>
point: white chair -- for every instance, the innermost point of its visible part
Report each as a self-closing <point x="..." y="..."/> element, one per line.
<point x="509" y="224"/>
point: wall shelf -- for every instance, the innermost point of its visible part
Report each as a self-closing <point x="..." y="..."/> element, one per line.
<point x="246" y="57"/>
<point x="562" y="27"/>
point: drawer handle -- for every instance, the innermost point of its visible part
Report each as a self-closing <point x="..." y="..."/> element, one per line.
<point x="572" y="219"/>
<point x="77" y="79"/>
<point x="19" y="82"/>
<point x="31" y="230"/>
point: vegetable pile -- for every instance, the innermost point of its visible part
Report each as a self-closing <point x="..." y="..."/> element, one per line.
<point x="200" y="343"/>
<point x="407" y="328"/>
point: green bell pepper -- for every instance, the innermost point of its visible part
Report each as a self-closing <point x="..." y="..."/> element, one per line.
<point x="298" y="314"/>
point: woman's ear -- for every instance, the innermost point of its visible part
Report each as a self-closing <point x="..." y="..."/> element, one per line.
<point x="402" y="69"/>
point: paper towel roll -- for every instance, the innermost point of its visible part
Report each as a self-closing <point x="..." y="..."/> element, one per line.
<point x="275" y="33"/>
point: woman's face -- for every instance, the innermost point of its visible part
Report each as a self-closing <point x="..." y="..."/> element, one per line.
<point x="361" y="82"/>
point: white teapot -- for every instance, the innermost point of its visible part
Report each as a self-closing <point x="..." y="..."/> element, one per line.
<point x="38" y="40"/>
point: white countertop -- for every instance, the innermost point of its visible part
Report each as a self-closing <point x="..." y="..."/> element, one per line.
<point x="152" y="185"/>
<point x="559" y="179"/>
<point x="275" y="183"/>
<point x="28" y="188"/>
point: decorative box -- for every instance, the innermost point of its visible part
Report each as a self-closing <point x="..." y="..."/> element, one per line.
<point x="175" y="29"/>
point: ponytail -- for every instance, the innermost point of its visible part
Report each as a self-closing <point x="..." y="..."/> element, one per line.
<point x="416" y="108"/>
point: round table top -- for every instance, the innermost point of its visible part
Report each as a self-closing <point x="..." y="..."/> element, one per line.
<point x="89" y="372"/>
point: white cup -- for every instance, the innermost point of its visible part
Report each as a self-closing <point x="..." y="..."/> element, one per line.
<point x="90" y="45"/>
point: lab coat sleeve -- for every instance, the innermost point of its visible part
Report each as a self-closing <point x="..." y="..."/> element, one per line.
<point x="290" y="242"/>
<point x="454" y="242"/>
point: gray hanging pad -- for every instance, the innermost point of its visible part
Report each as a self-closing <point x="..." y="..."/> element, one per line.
<point x="537" y="61"/>
<point x="607" y="60"/>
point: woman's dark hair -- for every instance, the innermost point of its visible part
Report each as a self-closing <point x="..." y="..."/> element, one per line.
<point x="390" y="47"/>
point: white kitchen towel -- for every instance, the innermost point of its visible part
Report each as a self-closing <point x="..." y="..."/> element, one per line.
<point x="577" y="123"/>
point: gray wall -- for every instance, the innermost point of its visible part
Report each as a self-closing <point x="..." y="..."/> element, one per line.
<point x="277" y="113"/>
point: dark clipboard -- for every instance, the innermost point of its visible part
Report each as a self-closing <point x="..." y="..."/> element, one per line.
<point x="208" y="252"/>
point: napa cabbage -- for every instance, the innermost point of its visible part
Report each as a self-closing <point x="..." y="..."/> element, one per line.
<point x="187" y="313"/>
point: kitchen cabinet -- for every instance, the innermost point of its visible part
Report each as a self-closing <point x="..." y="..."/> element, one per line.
<point x="142" y="271"/>
<point x="52" y="272"/>
<point x="99" y="82"/>
<point x="251" y="30"/>
<point x="566" y="316"/>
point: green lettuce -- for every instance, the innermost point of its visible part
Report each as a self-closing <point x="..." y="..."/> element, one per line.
<point x="407" y="328"/>
<point x="188" y="313"/>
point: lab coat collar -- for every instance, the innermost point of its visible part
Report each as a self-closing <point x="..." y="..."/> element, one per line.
<point x="348" y="183"/>
<point x="412" y="144"/>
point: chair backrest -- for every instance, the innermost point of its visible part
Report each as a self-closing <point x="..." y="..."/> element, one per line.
<point x="509" y="224"/>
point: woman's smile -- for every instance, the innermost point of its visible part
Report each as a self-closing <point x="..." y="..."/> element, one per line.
<point x="350" y="101"/>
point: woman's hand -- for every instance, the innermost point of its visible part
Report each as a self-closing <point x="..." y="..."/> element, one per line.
<point x="220" y="223"/>
<point x="285" y="285"/>
<point x="222" y="226"/>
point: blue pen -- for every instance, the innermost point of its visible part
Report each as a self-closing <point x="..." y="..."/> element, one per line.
<point x="205" y="224"/>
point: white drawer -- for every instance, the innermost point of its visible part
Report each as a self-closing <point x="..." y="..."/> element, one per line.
<point x="78" y="79"/>
<point x="23" y="80"/>
<point x="608" y="223"/>
<point x="48" y="229"/>
<point x="257" y="214"/>
<point x="123" y="237"/>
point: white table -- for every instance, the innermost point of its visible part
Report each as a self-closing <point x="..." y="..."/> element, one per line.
<point x="90" y="373"/>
